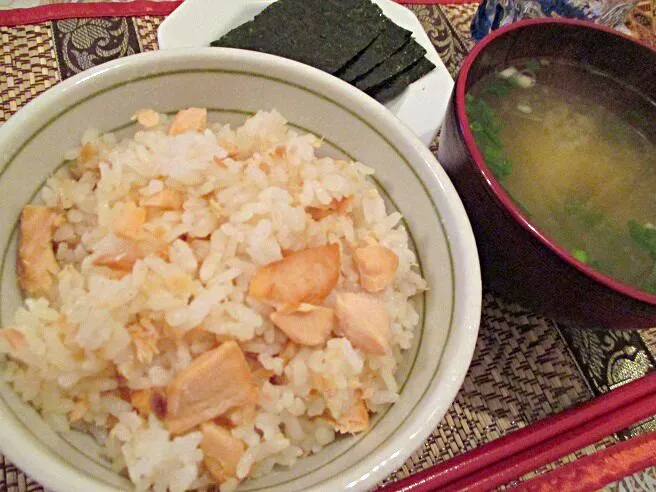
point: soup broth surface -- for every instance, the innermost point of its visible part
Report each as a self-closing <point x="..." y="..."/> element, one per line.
<point x="576" y="150"/>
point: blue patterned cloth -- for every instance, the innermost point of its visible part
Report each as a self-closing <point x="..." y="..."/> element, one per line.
<point x="492" y="14"/>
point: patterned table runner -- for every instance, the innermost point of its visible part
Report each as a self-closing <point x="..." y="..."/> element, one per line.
<point x="525" y="367"/>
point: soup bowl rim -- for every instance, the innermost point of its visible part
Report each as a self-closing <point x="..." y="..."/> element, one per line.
<point x="493" y="185"/>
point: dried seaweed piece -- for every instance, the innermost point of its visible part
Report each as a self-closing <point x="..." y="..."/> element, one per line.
<point x="399" y="61"/>
<point x="397" y="84"/>
<point x="326" y="34"/>
<point x="390" y="39"/>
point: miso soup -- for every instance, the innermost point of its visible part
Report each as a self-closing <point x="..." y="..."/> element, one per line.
<point x="576" y="150"/>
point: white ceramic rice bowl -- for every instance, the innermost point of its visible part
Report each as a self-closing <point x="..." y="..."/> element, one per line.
<point x="234" y="84"/>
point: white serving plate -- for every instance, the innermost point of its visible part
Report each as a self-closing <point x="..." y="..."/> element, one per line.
<point x="421" y="106"/>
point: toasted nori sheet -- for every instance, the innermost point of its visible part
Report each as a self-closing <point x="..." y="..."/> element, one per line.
<point x="397" y="84"/>
<point x="326" y="34"/>
<point x="390" y="39"/>
<point x="399" y="61"/>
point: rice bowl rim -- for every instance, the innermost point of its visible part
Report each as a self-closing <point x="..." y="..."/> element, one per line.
<point x="406" y="437"/>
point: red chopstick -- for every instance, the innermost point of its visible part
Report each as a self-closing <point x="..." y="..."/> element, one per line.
<point x="547" y="451"/>
<point x="520" y="452"/>
<point x="597" y="470"/>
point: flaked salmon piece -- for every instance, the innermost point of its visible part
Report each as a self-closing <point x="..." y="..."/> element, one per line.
<point x="286" y="252"/>
<point x="319" y="383"/>
<point x="224" y="337"/>
<point x="261" y="374"/>
<point x="80" y="409"/>
<point x="15" y="338"/>
<point x="279" y="151"/>
<point x="140" y="400"/>
<point x="110" y="421"/>
<point x="187" y="120"/>
<point x="252" y="361"/>
<point x="88" y="156"/>
<point x="158" y="404"/>
<point x="264" y="167"/>
<point x="129" y="220"/>
<point x="221" y="451"/>
<point x="241" y="416"/>
<point x="167" y="199"/>
<point x="219" y="162"/>
<point x="212" y="384"/>
<point x="199" y="335"/>
<point x="144" y="337"/>
<point x="306" y="276"/>
<point x="115" y="274"/>
<point x="308" y="325"/>
<point x="376" y="266"/>
<point x="336" y="206"/>
<point x="289" y="351"/>
<point x="353" y="421"/>
<point x="122" y="392"/>
<point x="148" y="401"/>
<point x="147" y="118"/>
<point x="230" y="149"/>
<point x="37" y="265"/>
<point x="124" y="258"/>
<point x="364" y="321"/>
<point x="121" y="260"/>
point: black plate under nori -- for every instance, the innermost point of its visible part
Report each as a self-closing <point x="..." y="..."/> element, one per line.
<point x="326" y="34"/>
<point x="397" y="84"/>
<point x="399" y="61"/>
<point x="391" y="38"/>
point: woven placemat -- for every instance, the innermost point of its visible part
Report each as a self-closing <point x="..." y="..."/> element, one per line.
<point x="525" y="367"/>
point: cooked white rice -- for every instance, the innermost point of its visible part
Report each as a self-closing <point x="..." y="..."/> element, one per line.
<point x="246" y="195"/>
